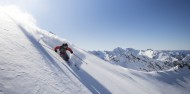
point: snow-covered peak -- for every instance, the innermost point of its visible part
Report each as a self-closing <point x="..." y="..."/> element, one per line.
<point x="118" y="50"/>
<point x="149" y="53"/>
<point x="132" y="51"/>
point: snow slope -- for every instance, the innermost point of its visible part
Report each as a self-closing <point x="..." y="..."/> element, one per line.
<point x="119" y="80"/>
<point x="29" y="66"/>
<point x="26" y="67"/>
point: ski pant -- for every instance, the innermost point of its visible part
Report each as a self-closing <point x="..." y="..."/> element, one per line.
<point x="65" y="57"/>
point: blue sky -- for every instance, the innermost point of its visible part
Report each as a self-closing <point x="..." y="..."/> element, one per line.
<point x="107" y="24"/>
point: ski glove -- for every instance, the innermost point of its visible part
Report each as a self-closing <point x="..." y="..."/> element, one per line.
<point x="55" y="50"/>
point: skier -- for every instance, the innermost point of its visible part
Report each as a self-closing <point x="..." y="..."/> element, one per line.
<point x="63" y="48"/>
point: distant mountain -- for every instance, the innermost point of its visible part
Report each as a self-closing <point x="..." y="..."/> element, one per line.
<point x="145" y="60"/>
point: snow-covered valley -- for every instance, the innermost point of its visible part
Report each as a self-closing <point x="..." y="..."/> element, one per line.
<point x="28" y="65"/>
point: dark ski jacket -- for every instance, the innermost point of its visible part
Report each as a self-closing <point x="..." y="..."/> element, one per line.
<point x="62" y="50"/>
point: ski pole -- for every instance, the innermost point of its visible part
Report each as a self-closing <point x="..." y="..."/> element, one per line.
<point x="46" y="46"/>
<point x="79" y="58"/>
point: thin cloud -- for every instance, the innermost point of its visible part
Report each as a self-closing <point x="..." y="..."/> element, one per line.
<point x="37" y="6"/>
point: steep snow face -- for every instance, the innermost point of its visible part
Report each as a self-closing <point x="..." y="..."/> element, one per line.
<point x="148" y="60"/>
<point x="28" y="68"/>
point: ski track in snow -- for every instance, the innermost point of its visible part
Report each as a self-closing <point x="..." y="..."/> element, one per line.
<point x="28" y="65"/>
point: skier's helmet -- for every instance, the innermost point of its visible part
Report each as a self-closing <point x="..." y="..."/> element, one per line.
<point x="65" y="45"/>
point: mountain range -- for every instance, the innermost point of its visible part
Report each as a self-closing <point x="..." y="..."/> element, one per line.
<point x="145" y="60"/>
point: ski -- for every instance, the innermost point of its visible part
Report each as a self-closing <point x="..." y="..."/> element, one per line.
<point x="77" y="67"/>
<point x="68" y="63"/>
